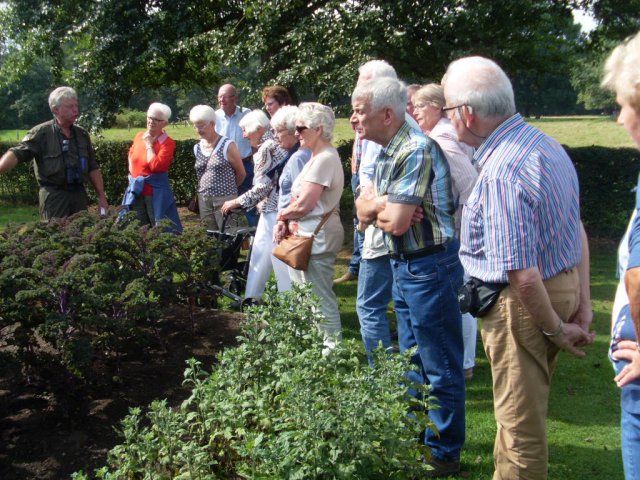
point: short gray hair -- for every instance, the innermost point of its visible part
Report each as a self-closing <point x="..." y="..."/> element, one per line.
<point x="254" y="120"/>
<point x="202" y="113"/>
<point x="162" y="109"/>
<point x="315" y="115"/>
<point x="60" y="94"/>
<point x="381" y="93"/>
<point x="376" y="69"/>
<point x="622" y="71"/>
<point x="481" y="84"/>
<point x="285" y="118"/>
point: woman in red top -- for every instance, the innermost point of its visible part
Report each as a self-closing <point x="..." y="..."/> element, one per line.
<point x="151" y="152"/>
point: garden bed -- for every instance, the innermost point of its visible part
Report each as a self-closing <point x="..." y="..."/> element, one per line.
<point x="47" y="437"/>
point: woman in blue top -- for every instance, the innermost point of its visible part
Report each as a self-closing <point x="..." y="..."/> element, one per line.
<point x="622" y="74"/>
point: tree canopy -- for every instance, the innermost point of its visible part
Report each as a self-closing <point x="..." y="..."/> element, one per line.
<point x="114" y="50"/>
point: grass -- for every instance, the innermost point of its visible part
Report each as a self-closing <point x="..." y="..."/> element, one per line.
<point x="584" y="417"/>
<point x="582" y="131"/>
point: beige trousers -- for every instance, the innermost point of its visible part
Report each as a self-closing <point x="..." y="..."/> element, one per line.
<point x="522" y="361"/>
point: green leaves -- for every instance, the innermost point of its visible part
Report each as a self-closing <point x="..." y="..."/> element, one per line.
<point x="275" y="407"/>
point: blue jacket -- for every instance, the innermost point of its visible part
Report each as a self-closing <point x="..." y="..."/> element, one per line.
<point x="164" y="203"/>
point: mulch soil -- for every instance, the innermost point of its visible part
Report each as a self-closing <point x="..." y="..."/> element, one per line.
<point x="50" y="436"/>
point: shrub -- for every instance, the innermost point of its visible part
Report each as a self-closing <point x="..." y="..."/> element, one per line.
<point x="73" y="290"/>
<point x="275" y="407"/>
<point x="131" y="119"/>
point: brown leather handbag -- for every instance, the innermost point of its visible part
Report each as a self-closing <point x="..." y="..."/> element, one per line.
<point x="295" y="251"/>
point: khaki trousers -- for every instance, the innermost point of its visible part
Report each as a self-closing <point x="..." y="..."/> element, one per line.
<point x="522" y="361"/>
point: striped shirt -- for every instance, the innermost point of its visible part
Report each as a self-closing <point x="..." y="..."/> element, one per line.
<point x="524" y="210"/>
<point x="412" y="170"/>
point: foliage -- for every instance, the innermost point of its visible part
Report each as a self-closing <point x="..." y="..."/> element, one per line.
<point x="276" y="407"/>
<point x="73" y="290"/>
<point x="313" y="48"/>
<point x="131" y="119"/>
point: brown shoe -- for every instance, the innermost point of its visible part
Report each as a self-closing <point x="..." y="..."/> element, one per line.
<point x="347" y="277"/>
<point x="468" y="374"/>
<point x="442" y="468"/>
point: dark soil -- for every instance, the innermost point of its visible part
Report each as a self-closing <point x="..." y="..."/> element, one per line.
<point x="47" y="436"/>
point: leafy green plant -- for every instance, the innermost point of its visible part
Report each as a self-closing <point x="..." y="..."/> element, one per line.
<point x="79" y="288"/>
<point x="276" y="407"/>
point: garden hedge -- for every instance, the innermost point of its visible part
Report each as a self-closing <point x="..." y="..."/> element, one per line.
<point x="607" y="177"/>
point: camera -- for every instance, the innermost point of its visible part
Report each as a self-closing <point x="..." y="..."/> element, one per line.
<point x="74" y="174"/>
<point x="466" y="296"/>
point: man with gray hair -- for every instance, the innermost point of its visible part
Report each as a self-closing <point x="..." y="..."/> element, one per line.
<point x="521" y="238"/>
<point x="414" y="206"/>
<point x="64" y="159"/>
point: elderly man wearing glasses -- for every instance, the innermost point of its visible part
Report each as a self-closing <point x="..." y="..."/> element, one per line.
<point x="64" y="159"/>
<point x="150" y="156"/>
<point x="522" y="237"/>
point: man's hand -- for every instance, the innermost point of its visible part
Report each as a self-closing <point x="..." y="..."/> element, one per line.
<point x="627" y="350"/>
<point x="572" y="337"/>
<point x="103" y="205"/>
<point x="418" y="215"/>
<point x="583" y="318"/>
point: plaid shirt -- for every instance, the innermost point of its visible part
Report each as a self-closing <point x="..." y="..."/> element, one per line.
<point x="412" y="170"/>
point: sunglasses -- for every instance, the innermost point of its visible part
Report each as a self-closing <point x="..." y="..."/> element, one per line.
<point x="301" y="128"/>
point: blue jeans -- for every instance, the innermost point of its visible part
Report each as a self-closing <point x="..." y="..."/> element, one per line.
<point x="426" y="304"/>
<point x="358" y="237"/>
<point x="374" y="294"/>
<point x="630" y="407"/>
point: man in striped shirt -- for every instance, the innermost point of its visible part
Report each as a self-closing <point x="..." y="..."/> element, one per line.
<point x="521" y="228"/>
<point x="414" y="206"/>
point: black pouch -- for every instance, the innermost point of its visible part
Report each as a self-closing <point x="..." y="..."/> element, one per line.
<point x="477" y="297"/>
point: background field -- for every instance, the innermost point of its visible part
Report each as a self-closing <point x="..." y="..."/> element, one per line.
<point x="579" y="131"/>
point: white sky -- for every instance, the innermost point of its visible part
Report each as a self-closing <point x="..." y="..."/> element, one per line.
<point x="586" y="21"/>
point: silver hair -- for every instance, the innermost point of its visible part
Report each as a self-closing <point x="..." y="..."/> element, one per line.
<point x="315" y="115"/>
<point x="382" y="93"/>
<point x="481" y="84"/>
<point x="254" y="120"/>
<point x="376" y="69"/>
<point x="160" y="108"/>
<point x="60" y="94"/>
<point x="285" y="117"/>
<point x="622" y="71"/>
<point x="202" y="113"/>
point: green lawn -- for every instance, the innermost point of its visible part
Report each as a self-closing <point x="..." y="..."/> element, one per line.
<point x="584" y="416"/>
<point x="580" y="131"/>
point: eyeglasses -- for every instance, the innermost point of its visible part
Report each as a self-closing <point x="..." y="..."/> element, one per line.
<point x="156" y="120"/>
<point x="301" y="128"/>
<point x="446" y="110"/>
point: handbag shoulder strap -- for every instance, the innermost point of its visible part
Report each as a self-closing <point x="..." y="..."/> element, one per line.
<point x="323" y="221"/>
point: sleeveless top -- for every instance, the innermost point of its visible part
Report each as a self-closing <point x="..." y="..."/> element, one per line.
<point x="216" y="176"/>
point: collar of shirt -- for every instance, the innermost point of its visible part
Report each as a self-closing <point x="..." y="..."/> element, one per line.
<point x="397" y="141"/>
<point x="505" y="128"/>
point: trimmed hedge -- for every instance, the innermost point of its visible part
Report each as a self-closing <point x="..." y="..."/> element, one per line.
<point x="607" y="177"/>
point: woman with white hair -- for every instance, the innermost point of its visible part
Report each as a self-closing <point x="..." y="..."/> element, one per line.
<point x="218" y="166"/>
<point x="315" y="193"/>
<point x="263" y="194"/>
<point x="149" y="193"/>
<point x="622" y="74"/>
<point x="428" y="102"/>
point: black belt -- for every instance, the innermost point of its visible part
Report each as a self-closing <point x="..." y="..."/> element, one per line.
<point x="71" y="187"/>
<point x="419" y="253"/>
